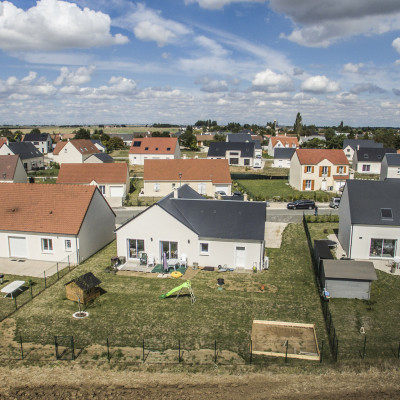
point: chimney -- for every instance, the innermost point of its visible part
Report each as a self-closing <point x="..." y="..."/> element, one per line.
<point x="176" y="194"/>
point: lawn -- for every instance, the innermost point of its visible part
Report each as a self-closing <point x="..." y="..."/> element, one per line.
<point x="278" y="189"/>
<point x="120" y="153"/>
<point x="131" y="309"/>
<point x="380" y="317"/>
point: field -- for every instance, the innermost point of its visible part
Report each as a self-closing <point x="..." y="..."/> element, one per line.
<point x="131" y="309"/>
<point x="379" y="316"/>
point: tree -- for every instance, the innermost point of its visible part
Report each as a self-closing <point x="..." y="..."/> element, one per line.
<point x="115" y="143"/>
<point x="188" y="139"/>
<point x="35" y="130"/>
<point x="18" y="136"/>
<point x="82" y="133"/>
<point x="297" y="127"/>
<point x="219" y="137"/>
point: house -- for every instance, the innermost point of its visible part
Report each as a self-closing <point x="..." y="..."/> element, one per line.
<point x="111" y="179"/>
<point x="282" y="157"/>
<point x="237" y="153"/>
<point x="99" y="158"/>
<point x="57" y="223"/>
<point x="281" y="141"/>
<point x="203" y="139"/>
<point x="369" y="219"/>
<point x="204" y="176"/>
<point x="12" y="170"/>
<point x="75" y="151"/>
<point x="351" y="145"/>
<point x="31" y="157"/>
<point x="207" y="232"/>
<point x="42" y="141"/>
<point x="348" y="279"/>
<point x="160" y="148"/>
<point x="368" y="160"/>
<point x="390" y="167"/>
<point x="318" y="169"/>
<point x="3" y="140"/>
<point x="83" y="289"/>
<point x="126" y="137"/>
<point x="100" y="146"/>
<point x="246" y="138"/>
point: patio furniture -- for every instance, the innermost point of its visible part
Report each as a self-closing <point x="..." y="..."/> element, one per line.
<point x="150" y="260"/>
<point x="183" y="260"/>
<point x="143" y="259"/>
<point x="172" y="263"/>
<point x="12" y="288"/>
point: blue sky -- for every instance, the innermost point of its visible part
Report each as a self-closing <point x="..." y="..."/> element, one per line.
<point x="179" y="61"/>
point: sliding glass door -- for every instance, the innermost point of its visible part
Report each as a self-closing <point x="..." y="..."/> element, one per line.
<point x="135" y="247"/>
<point x="170" y="249"/>
<point x="385" y="248"/>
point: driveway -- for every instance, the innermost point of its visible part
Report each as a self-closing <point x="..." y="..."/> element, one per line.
<point x="31" y="268"/>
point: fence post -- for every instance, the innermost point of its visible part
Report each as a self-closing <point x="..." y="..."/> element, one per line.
<point x="15" y="303"/>
<point x="108" y="351"/>
<point x="56" y="346"/>
<point x="365" y="344"/>
<point x="215" y="351"/>
<point x="251" y="351"/>
<point x="58" y="274"/>
<point x="179" y="351"/>
<point x="143" y="351"/>
<point x="322" y="351"/>
<point x="287" y="346"/>
<point x="22" y="349"/>
<point x="73" y="348"/>
<point x="44" y="273"/>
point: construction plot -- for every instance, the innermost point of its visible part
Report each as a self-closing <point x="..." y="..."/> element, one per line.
<point x="284" y="339"/>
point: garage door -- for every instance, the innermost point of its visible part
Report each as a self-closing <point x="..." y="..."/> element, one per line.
<point x="18" y="247"/>
<point x="116" y="191"/>
<point x="224" y="188"/>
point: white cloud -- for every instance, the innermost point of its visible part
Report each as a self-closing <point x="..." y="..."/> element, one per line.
<point x="211" y="45"/>
<point x="271" y="81"/>
<point x="218" y="4"/>
<point x="366" y="87"/>
<point x="212" y="85"/>
<point x="396" y="44"/>
<point x="352" y="68"/>
<point x="54" y="25"/>
<point x="149" y="25"/>
<point x="319" y="84"/>
<point x="74" y="78"/>
<point x="320" y="25"/>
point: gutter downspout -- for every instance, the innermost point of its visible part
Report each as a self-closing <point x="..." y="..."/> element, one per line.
<point x="77" y="249"/>
<point x="351" y="239"/>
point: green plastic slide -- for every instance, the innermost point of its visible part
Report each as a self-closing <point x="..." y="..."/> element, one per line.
<point x="186" y="284"/>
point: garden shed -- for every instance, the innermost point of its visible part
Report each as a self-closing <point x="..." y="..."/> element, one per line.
<point x="84" y="288"/>
<point x="321" y="252"/>
<point x="348" y="279"/>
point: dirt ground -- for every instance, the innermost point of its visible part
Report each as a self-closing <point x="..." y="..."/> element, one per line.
<point x="69" y="382"/>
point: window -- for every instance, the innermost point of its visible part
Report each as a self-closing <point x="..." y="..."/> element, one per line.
<point x="47" y="245"/>
<point x="366" y="156"/>
<point x="156" y="148"/>
<point x="204" y="249"/>
<point x="382" y="248"/>
<point x="348" y="150"/>
<point x="156" y="187"/>
<point x="137" y="144"/>
<point x="308" y="184"/>
<point x="324" y="171"/>
<point x="309" y="169"/>
<point x="65" y="150"/>
<point x="146" y="148"/>
<point x="102" y="189"/>
<point x="366" y="168"/>
<point x="246" y="161"/>
<point x="168" y="148"/>
<point x="232" y="153"/>
<point x="341" y="170"/>
<point x="135" y="247"/>
<point x="68" y="245"/>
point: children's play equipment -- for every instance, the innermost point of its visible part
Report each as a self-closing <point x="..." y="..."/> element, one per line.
<point x="177" y="290"/>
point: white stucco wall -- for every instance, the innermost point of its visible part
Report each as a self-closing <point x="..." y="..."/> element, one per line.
<point x="138" y="159"/>
<point x="97" y="228"/>
<point x="69" y="154"/>
<point x="155" y="225"/>
<point x="375" y="167"/>
<point x="281" y="163"/>
<point x="344" y="234"/>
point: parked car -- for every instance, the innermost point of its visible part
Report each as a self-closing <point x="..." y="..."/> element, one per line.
<point x="301" y="204"/>
<point x="237" y="194"/>
<point x="334" y="203"/>
<point x="219" y="193"/>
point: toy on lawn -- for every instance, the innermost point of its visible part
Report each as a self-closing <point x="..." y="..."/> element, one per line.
<point x="177" y="290"/>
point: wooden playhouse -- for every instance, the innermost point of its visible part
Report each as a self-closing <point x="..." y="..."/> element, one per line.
<point x="84" y="288"/>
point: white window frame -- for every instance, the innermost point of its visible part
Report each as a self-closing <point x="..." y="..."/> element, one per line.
<point x="47" y="245"/>
<point x="324" y="170"/>
<point x="308" y="184"/>
<point x="309" y="169"/>
<point x="202" y="188"/>
<point x="68" y="244"/>
<point x="204" y="252"/>
<point x="102" y="189"/>
<point x="156" y="187"/>
<point x="366" y="168"/>
<point x="341" y="169"/>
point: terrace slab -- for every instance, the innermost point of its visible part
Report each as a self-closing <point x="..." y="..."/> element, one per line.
<point x="32" y="268"/>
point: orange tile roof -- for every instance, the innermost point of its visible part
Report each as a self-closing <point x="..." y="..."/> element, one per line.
<point x="84" y="146"/>
<point x="315" y="156"/>
<point x="216" y="171"/>
<point x="3" y="140"/>
<point x="8" y="164"/>
<point x="154" y="145"/>
<point x="46" y="208"/>
<point x="285" y="140"/>
<point x="86" y="173"/>
<point x="202" y="138"/>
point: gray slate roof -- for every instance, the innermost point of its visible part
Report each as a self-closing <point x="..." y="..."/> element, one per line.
<point x="218" y="149"/>
<point x="353" y="143"/>
<point x="367" y="198"/>
<point x="284" y="153"/>
<point x="25" y="150"/>
<point x="103" y="157"/>
<point x="372" y="154"/>
<point x="242" y="138"/>
<point x="349" y="269"/>
<point x="393" y="160"/>
<point x="228" y="219"/>
<point x="36" y="137"/>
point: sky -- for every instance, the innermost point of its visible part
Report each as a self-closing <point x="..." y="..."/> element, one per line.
<point x="180" y="61"/>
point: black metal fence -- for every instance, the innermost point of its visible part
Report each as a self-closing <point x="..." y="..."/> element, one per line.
<point x="332" y="336"/>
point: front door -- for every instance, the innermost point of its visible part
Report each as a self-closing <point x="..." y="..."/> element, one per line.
<point x="240" y="256"/>
<point x="323" y="185"/>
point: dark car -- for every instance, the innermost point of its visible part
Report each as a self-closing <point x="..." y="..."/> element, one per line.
<point x="301" y="204"/>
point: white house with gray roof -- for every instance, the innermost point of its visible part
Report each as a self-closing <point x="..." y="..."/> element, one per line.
<point x="351" y="145"/>
<point x="369" y="219"/>
<point x="237" y="153"/>
<point x="390" y="166"/>
<point x="208" y="232"/>
<point x="368" y="160"/>
<point x="31" y="157"/>
<point x="282" y="157"/>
